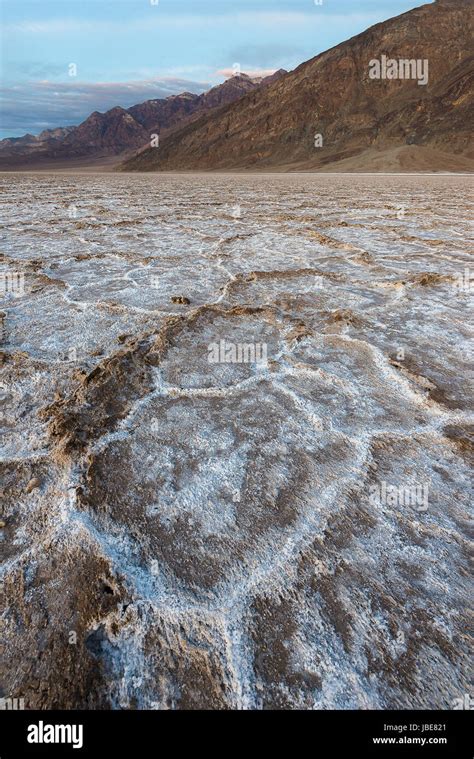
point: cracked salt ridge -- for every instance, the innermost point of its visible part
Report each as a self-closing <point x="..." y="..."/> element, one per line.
<point x="233" y="250"/>
<point x="164" y="390"/>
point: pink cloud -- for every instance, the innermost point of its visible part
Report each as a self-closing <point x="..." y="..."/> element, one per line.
<point x="254" y="73"/>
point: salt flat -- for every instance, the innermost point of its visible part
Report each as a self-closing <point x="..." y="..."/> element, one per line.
<point x="236" y="533"/>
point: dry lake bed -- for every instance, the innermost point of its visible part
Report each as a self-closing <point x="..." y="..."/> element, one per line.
<point x="236" y="441"/>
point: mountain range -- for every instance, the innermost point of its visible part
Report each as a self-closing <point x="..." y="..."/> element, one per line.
<point x="397" y="97"/>
<point x="119" y="130"/>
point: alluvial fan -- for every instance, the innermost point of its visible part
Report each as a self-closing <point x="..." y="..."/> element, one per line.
<point x="236" y="441"/>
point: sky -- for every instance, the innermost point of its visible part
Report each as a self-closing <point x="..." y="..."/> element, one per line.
<point x="61" y="60"/>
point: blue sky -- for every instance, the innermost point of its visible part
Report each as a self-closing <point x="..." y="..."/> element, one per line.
<point x="127" y="51"/>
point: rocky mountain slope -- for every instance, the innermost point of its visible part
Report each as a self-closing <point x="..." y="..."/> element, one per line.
<point x="121" y="130"/>
<point x="14" y="149"/>
<point x="330" y="110"/>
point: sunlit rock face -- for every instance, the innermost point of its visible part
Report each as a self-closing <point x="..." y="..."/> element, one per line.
<point x="236" y="441"/>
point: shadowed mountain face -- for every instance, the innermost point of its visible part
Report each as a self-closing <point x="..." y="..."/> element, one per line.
<point x="121" y="130"/>
<point x="333" y="108"/>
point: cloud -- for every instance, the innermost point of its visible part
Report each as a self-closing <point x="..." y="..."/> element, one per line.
<point x="250" y="72"/>
<point x="42" y="105"/>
